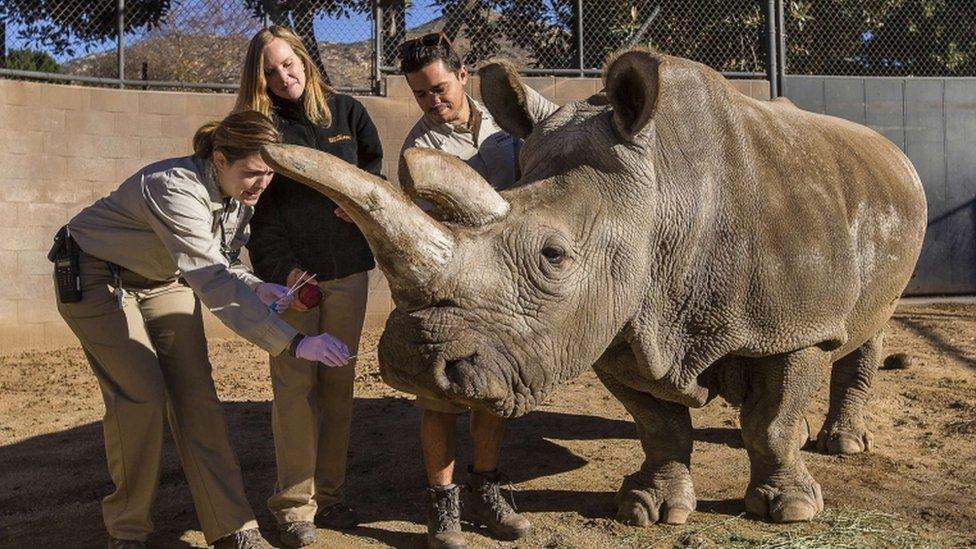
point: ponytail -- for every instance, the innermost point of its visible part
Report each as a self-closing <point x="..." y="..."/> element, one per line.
<point x="203" y="140"/>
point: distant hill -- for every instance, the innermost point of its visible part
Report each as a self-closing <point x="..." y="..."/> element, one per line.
<point x="218" y="59"/>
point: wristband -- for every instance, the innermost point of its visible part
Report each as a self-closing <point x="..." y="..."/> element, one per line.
<point x="293" y="346"/>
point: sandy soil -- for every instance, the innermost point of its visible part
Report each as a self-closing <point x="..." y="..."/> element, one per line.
<point x="566" y="460"/>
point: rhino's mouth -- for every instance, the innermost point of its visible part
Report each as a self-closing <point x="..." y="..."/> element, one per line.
<point x="434" y="354"/>
<point x="476" y="381"/>
<point x="468" y="377"/>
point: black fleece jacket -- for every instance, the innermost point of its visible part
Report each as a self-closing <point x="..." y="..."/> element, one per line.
<point x="295" y="226"/>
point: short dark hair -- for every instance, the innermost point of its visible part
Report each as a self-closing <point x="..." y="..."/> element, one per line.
<point x="417" y="53"/>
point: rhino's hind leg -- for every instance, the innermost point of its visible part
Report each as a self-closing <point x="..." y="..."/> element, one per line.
<point x="844" y="431"/>
<point x="661" y="491"/>
<point x="779" y="390"/>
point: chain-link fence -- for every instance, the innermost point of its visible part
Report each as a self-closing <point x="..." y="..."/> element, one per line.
<point x="176" y="43"/>
<point x="200" y="43"/>
<point x="564" y="36"/>
<point x="882" y="38"/>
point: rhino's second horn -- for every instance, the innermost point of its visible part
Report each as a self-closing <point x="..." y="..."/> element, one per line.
<point x="458" y="191"/>
<point x="409" y="245"/>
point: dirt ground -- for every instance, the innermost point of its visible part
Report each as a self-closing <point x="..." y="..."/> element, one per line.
<point x="917" y="487"/>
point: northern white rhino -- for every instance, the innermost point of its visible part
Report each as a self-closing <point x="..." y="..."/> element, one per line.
<point x="684" y="240"/>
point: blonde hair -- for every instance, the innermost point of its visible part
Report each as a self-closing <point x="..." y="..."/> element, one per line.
<point x="239" y="135"/>
<point x="253" y="93"/>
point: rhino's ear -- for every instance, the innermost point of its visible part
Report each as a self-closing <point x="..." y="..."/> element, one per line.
<point x="632" y="86"/>
<point x="516" y="107"/>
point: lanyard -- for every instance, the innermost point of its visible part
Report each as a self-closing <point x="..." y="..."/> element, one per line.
<point x="229" y="254"/>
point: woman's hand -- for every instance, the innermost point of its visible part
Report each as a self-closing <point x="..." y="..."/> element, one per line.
<point x="275" y="296"/>
<point x="324" y="348"/>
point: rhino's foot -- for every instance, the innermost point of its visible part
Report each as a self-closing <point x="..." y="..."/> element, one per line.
<point x="837" y="440"/>
<point x="647" y="499"/>
<point x="794" y="502"/>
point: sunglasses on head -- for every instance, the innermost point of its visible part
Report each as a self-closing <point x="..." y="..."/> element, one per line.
<point x="432" y="40"/>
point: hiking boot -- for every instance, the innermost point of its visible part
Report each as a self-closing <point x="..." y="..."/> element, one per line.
<point x="444" y="518"/>
<point x="485" y="506"/>
<point x="296" y="534"/>
<point x="337" y="516"/>
<point x="116" y="543"/>
<point x="245" y="539"/>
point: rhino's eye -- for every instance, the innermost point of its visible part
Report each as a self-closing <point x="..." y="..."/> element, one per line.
<point x="554" y="255"/>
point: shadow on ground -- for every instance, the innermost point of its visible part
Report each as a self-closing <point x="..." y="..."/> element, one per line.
<point x="51" y="484"/>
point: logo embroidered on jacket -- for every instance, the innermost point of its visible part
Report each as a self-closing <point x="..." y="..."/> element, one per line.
<point x="340" y="137"/>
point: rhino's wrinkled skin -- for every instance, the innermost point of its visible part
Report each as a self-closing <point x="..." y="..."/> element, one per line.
<point x="682" y="239"/>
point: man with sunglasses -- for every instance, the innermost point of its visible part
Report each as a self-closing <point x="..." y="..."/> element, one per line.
<point x="455" y="123"/>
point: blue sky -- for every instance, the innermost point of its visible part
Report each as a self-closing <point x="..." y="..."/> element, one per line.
<point x="354" y="29"/>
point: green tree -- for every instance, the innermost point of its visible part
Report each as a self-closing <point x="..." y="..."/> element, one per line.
<point x="725" y="35"/>
<point x="60" y="26"/>
<point x="31" y="60"/>
<point x="857" y="37"/>
<point x="882" y="37"/>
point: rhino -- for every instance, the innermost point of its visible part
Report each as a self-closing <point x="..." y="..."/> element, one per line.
<point x="685" y="241"/>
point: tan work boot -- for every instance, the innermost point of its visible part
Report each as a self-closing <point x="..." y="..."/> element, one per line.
<point x="485" y="506"/>
<point x="444" y="518"/>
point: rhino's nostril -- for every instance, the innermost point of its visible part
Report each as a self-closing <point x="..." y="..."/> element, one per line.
<point x="458" y="371"/>
<point x="446" y="303"/>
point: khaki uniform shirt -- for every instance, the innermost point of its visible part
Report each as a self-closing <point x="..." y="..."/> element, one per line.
<point x="482" y="144"/>
<point x="170" y="220"/>
<point x="487" y="148"/>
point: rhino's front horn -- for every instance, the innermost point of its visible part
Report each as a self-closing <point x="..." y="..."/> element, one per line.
<point x="458" y="191"/>
<point x="409" y="245"/>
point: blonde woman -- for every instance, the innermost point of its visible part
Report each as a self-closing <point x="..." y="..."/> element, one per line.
<point x="297" y="231"/>
<point x="143" y="259"/>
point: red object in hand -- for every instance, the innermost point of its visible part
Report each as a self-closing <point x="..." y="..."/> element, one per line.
<point x="310" y="295"/>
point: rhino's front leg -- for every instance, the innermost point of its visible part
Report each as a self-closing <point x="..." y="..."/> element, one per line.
<point x="779" y="390"/>
<point x="661" y="491"/>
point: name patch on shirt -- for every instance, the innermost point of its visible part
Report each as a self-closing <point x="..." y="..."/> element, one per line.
<point x="340" y="137"/>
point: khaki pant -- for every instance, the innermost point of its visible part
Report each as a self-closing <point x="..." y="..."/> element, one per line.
<point x="150" y="358"/>
<point x="312" y="408"/>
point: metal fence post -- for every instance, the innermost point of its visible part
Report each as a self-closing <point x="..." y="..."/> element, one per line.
<point x="3" y="44"/>
<point x="120" y="27"/>
<point x="781" y="47"/>
<point x="772" y="73"/>
<point x="376" y="77"/>
<point x="579" y="36"/>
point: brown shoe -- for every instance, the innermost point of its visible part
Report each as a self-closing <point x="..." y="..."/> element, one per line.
<point x="444" y="518"/>
<point x="296" y="534"/>
<point x="245" y="539"/>
<point x="337" y="516"/>
<point x="116" y="543"/>
<point x="485" y="506"/>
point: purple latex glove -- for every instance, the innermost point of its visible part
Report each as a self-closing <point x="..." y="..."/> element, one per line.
<point x="275" y="296"/>
<point x="324" y="348"/>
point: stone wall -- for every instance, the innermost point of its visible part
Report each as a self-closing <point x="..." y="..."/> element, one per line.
<point x="62" y="147"/>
